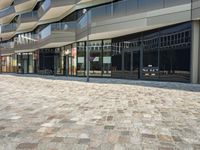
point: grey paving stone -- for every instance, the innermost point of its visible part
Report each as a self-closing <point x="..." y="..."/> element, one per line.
<point x="27" y="146"/>
<point x="58" y="113"/>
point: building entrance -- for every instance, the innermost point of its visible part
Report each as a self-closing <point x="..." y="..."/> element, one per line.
<point x="25" y="63"/>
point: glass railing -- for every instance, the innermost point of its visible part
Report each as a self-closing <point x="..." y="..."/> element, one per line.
<point x="23" y="39"/>
<point x="46" y="5"/>
<point x="45" y="32"/>
<point x="8" y="28"/>
<point x="128" y="7"/>
<point x="7" y="11"/>
<point x="68" y="26"/>
<point x="29" y="38"/>
<point x="63" y="26"/>
<point x="105" y="12"/>
<point x="28" y="15"/>
<point x="82" y="22"/>
<point x="16" y="2"/>
<point x="6" y="45"/>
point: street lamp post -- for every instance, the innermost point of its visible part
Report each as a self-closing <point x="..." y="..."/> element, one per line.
<point x="87" y="48"/>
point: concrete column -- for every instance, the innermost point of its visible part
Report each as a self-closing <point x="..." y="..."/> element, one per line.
<point x="195" y="76"/>
<point x="199" y="54"/>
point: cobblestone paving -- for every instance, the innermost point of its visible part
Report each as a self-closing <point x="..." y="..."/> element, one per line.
<point x="53" y="113"/>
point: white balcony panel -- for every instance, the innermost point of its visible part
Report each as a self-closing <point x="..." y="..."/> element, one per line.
<point x="5" y="3"/>
<point x="26" y="26"/>
<point x="24" y="5"/>
<point x="7" y="36"/>
<point x="55" y="12"/>
<point x="7" y="14"/>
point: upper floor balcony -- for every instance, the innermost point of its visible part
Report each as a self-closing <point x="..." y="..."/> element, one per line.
<point x="27" y="21"/>
<point x="8" y="28"/>
<point x="24" y="5"/>
<point x="7" y="31"/>
<point x="130" y="16"/>
<point x="7" y="14"/>
<point x="57" y="34"/>
<point x="54" y="35"/>
<point x="51" y="9"/>
<point x="112" y="20"/>
<point x="5" y="3"/>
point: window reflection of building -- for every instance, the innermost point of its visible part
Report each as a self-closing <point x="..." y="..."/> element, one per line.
<point x="126" y="57"/>
<point x="81" y="59"/>
<point x="116" y="59"/>
<point x="25" y="63"/>
<point x="95" y="48"/>
<point x="150" y="55"/>
<point x="8" y="63"/>
<point x="166" y="54"/>
<point x="107" y="58"/>
<point x="175" y="52"/>
<point x="47" y="59"/>
<point x="71" y="59"/>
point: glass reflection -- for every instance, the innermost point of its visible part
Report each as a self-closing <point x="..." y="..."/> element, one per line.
<point x="107" y="58"/>
<point x="81" y="55"/>
<point x="95" y="58"/>
<point x="175" y="53"/>
<point x="150" y="55"/>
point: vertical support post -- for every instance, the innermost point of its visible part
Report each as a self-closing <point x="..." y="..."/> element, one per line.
<point x="87" y="50"/>
<point x="195" y="52"/>
<point x="0" y="63"/>
<point x="121" y="50"/>
<point x="141" y="58"/>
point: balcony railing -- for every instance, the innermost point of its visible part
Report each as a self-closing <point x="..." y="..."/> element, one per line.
<point x="68" y="26"/>
<point x="97" y="14"/>
<point x="17" y="2"/>
<point x="129" y="7"/>
<point x="8" y="28"/>
<point x="54" y="3"/>
<point x="7" y="45"/>
<point x="46" y="5"/>
<point x="29" y="38"/>
<point x="64" y="26"/>
<point x="7" y="11"/>
<point x="28" y="17"/>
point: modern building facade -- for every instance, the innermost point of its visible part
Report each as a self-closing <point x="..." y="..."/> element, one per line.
<point x="128" y="39"/>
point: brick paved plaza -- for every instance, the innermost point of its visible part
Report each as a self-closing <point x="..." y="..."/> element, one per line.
<point x="56" y="113"/>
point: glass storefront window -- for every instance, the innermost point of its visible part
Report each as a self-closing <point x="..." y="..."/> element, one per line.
<point x="25" y="63"/>
<point x="128" y="61"/>
<point x="107" y="58"/>
<point x="166" y="54"/>
<point x="14" y="63"/>
<point x="74" y="57"/>
<point x="116" y="60"/>
<point x="6" y="64"/>
<point x="81" y="56"/>
<point x="31" y="64"/>
<point x="175" y="54"/>
<point x="71" y="60"/>
<point x="95" y="58"/>
<point x="150" y="55"/>
<point x="47" y="61"/>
